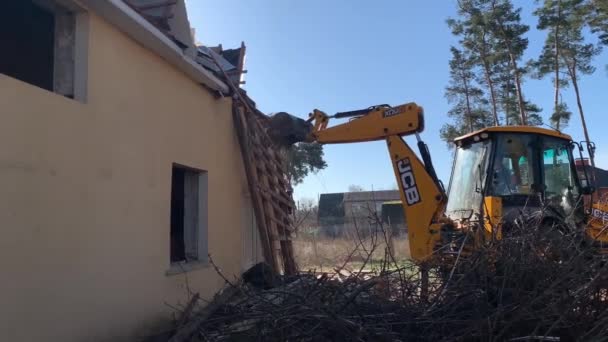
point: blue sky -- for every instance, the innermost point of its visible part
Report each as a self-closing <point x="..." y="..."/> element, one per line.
<point x="342" y="55"/>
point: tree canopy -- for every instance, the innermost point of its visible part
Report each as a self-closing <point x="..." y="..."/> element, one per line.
<point x="303" y="159"/>
<point x="488" y="70"/>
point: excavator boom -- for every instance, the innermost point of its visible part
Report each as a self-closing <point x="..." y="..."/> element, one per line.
<point x="422" y="195"/>
<point x="375" y="123"/>
<point x="499" y="172"/>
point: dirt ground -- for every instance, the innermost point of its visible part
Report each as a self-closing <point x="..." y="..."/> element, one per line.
<point x="325" y="253"/>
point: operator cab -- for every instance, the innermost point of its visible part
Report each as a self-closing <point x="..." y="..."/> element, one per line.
<point x="526" y="167"/>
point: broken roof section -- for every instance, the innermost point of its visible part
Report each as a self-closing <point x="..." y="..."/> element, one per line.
<point x="171" y="18"/>
<point x="231" y="61"/>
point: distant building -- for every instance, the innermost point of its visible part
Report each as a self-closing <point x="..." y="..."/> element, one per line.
<point x="392" y="215"/>
<point x="339" y="212"/>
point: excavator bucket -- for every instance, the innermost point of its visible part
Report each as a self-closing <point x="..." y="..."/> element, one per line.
<point x="286" y="129"/>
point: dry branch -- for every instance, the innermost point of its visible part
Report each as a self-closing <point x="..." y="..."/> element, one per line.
<point x="538" y="283"/>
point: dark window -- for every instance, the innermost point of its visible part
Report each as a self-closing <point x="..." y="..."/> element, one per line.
<point x="27" y="33"/>
<point x="513" y="172"/>
<point x="178" y="250"/>
<point x="39" y="45"/>
<point x="188" y="214"/>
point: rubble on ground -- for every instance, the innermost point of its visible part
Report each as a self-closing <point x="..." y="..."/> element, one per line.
<point x="515" y="290"/>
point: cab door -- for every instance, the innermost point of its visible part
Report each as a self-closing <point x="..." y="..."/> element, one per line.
<point x="561" y="187"/>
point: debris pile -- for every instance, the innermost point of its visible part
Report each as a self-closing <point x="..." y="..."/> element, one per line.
<point x="537" y="283"/>
<point x="307" y="307"/>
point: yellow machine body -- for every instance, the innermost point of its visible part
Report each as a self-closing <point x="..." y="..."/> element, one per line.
<point x="597" y="228"/>
<point x="378" y="124"/>
<point x="493" y="218"/>
<point x="423" y="198"/>
<point x="514" y="129"/>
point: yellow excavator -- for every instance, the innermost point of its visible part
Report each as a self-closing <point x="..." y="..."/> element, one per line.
<point x="497" y="173"/>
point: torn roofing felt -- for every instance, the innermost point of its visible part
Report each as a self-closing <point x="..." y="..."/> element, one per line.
<point x="229" y="60"/>
<point x="205" y="58"/>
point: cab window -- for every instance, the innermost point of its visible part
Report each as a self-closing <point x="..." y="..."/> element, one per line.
<point x="467" y="180"/>
<point x="513" y="170"/>
<point x="559" y="178"/>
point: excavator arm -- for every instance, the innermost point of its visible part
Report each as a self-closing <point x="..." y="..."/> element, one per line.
<point x="422" y="195"/>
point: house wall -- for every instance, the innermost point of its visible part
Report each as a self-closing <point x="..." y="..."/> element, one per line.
<point x="85" y="196"/>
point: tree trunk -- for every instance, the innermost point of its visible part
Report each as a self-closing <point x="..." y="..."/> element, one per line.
<point x="556" y="66"/>
<point x="492" y="93"/>
<point x="469" y="116"/>
<point x="513" y="63"/>
<point x="507" y="99"/>
<point x="520" y="97"/>
<point x="467" y="101"/>
<point x="488" y="77"/>
<point x="572" y="73"/>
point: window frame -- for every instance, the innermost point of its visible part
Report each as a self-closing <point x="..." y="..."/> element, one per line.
<point x="537" y="141"/>
<point x="77" y="70"/>
<point x="498" y="140"/>
<point x="571" y="160"/>
<point x="200" y="232"/>
<point x="488" y="155"/>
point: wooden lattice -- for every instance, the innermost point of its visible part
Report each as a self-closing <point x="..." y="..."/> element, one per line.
<point x="271" y="192"/>
<point x="268" y="184"/>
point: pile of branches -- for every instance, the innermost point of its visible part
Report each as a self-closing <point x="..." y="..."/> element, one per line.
<point x="539" y="282"/>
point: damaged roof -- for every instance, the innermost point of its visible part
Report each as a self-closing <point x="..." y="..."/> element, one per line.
<point x="171" y="18"/>
<point x="231" y="61"/>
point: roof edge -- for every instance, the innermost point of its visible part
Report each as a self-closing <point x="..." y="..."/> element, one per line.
<point x="121" y="15"/>
<point x="516" y="129"/>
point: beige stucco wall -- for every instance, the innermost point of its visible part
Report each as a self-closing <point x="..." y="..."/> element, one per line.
<point x="85" y="196"/>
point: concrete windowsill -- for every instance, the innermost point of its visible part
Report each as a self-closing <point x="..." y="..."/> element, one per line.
<point x="184" y="267"/>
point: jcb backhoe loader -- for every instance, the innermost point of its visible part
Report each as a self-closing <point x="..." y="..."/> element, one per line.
<point x="498" y="173"/>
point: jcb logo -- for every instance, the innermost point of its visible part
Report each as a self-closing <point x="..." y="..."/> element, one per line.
<point x="602" y="215"/>
<point x="408" y="182"/>
<point x="392" y="112"/>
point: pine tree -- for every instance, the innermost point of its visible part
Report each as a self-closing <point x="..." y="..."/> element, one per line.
<point x="507" y="27"/>
<point x="508" y="101"/>
<point x="557" y="18"/>
<point x="597" y="17"/>
<point x="534" y="114"/>
<point x="506" y="94"/>
<point x="577" y="57"/>
<point x="303" y="159"/>
<point x="474" y="29"/>
<point x="470" y="108"/>
<point x="565" y="49"/>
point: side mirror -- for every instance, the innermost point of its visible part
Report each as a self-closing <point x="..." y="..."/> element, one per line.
<point x="588" y="190"/>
